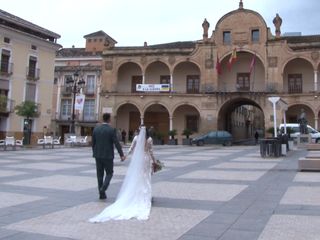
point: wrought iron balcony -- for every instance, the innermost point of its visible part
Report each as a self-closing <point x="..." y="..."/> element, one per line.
<point x="6" y="68"/>
<point x="6" y="105"/>
<point x="33" y="74"/>
<point x="89" y="90"/>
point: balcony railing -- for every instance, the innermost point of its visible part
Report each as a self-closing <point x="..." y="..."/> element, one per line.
<point x="66" y="90"/>
<point x="6" y="105"/>
<point x="6" y="68"/>
<point x="33" y="73"/>
<point x="78" y="118"/>
<point x="295" y="89"/>
<point x="88" y="90"/>
<point x="89" y="118"/>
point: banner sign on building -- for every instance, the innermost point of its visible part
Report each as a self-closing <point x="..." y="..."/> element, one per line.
<point x="153" y="87"/>
<point x="79" y="102"/>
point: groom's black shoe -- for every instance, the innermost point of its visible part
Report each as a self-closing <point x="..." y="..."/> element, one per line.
<point x="102" y="195"/>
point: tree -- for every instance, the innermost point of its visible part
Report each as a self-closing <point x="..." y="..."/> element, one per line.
<point x="27" y="109"/>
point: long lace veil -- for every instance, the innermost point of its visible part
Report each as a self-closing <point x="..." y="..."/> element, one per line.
<point x="134" y="177"/>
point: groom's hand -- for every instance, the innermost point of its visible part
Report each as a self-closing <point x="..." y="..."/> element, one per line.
<point x="123" y="158"/>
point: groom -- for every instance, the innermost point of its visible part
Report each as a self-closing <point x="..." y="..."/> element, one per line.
<point x="104" y="138"/>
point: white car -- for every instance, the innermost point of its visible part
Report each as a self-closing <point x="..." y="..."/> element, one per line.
<point x="295" y="131"/>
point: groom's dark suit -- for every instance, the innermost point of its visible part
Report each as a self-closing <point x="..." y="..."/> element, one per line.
<point x="104" y="138"/>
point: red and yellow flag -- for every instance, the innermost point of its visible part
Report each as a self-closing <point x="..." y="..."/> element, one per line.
<point x="218" y="66"/>
<point x="232" y="58"/>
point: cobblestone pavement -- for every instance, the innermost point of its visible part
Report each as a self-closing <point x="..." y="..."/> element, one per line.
<point x="211" y="192"/>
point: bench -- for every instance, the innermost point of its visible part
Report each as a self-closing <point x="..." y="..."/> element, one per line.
<point x="309" y="164"/>
<point x="313" y="147"/>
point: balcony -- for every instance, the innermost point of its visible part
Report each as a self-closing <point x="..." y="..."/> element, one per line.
<point x="6" y="69"/>
<point x="78" y="118"/>
<point x="66" y="90"/>
<point x="89" y="118"/>
<point x="33" y="74"/>
<point x="6" y="106"/>
<point x="89" y="91"/>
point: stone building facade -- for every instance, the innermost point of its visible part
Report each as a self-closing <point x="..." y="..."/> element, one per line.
<point x="26" y="74"/>
<point x="222" y="81"/>
<point x="87" y="62"/>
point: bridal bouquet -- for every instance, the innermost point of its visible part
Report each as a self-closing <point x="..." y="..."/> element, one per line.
<point x="157" y="166"/>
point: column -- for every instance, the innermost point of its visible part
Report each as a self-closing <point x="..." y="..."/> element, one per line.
<point x="141" y="120"/>
<point x="171" y="83"/>
<point x="60" y="81"/>
<point x="315" y="80"/>
<point x="316" y="123"/>
<point x="143" y="79"/>
<point x="170" y="123"/>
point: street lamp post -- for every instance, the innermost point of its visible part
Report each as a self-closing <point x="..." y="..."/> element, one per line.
<point x="74" y="84"/>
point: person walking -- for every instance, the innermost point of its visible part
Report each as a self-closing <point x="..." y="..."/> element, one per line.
<point x="256" y="136"/>
<point x="134" y="197"/>
<point x="104" y="139"/>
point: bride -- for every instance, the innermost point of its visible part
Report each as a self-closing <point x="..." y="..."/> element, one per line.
<point x="134" y="198"/>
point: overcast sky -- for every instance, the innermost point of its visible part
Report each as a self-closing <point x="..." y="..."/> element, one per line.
<point x="132" y="22"/>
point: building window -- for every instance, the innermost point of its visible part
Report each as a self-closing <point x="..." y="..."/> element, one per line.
<point x="89" y="110"/>
<point x="90" y="84"/>
<point x="30" y="92"/>
<point x="32" y="68"/>
<point x="55" y="81"/>
<point x="193" y="84"/>
<point x="255" y="35"/>
<point x="33" y="47"/>
<point x="243" y="81"/>
<point x="227" y="37"/>
<point x="295" y="83"/>
<point x="6" y="40"/>
<point x="65" y="109"/>
<point x="165" y="79"/>
<point x="192" y="123"/>
<point x="89" y="40"/>
<point x="134" y="81"/>
<point x="66" y="77"/>
<point x="5" y="58"/>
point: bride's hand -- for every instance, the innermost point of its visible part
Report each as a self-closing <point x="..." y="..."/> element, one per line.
<point x="123" y="158"/>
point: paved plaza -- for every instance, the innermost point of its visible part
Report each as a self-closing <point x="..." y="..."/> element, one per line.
<point x="211" y="192"/>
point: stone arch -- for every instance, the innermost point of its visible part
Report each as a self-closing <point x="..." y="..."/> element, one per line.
<point x="294" y="110"/>
<point x="298" y="75"/>
<point x="154" y="70"/>
<point x="180" y="73"/>
<point x="240" y="119"/>
<point x="128" y="118"/>
<point x="126" y="71"/>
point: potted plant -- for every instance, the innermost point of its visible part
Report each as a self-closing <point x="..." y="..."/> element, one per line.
<point x="172" y="140"/>
<point x="186" y="132"/>
<point x="158" y="138"/>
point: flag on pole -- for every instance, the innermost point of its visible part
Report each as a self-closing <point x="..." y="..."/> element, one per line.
<point x="218" y="66"/>
<point x="252" y="64"/>
<point x="232" y="58"/>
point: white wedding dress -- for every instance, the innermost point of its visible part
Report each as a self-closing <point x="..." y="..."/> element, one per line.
<point x="134" y="198"/>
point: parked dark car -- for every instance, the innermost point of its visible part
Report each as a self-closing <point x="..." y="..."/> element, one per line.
<point x="214" y="137"/>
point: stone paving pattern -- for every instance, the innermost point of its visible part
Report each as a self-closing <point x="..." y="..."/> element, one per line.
<point x="211" y="192"/>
